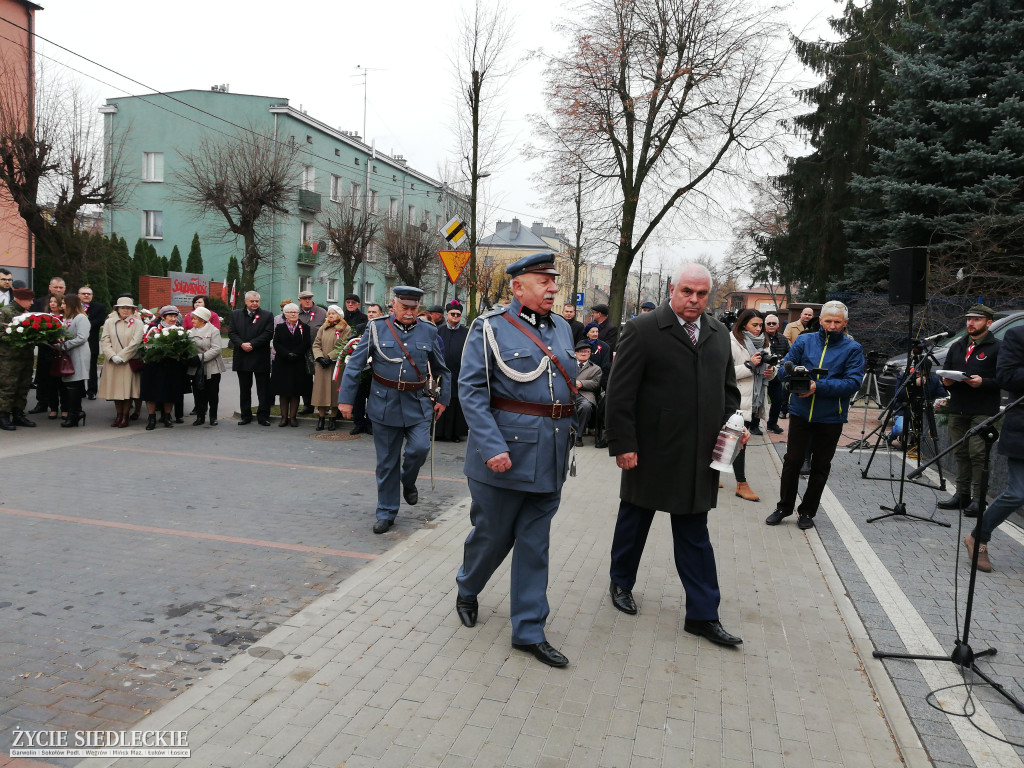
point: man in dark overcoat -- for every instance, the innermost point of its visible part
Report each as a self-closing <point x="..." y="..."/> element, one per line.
<point x="672" y="388"/>
<point x="97" y="314"/>
<point x="250" y="332"/>
<point x="452" y="333"/>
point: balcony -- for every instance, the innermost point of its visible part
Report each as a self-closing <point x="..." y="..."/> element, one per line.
<point x="309" y="201"/>
<point x="306" y="255"/>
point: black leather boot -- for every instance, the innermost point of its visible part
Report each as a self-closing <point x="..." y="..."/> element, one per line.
<point x="5" y="422"/>
<point x="166" y="420"/>
<point x="19" y="419"/>
<point x="151" y="424"/>
<point x="320" y="423"/>
<point x="332" y="424"/>
<point x="200" y="419"/>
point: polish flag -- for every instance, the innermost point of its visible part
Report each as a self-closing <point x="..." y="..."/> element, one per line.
<point x="224" y="290"/>
<point x="233" y="284"/>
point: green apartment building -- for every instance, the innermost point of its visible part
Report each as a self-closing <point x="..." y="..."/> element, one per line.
<point x="334" y="168"/>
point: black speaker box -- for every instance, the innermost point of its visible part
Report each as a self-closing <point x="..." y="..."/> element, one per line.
<point x="908" y="276"/>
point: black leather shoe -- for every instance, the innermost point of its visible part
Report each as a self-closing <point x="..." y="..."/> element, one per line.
<point x="91" y="396"/>
<point x="5" y="422"/>
<point x="20" y="420"/>
<point x="622" y="599"/>
<point x="356" y="430"/>
<point x="804" y="522"/>
<point x="467" y="608"/>
<point x="775" y="429"/>
<point x="972" y="509"/>
<point x="711" y="630"/>
<point x="755" y="430"/>
<point x="776" y="517"/>
<point x="382" y="526"/>
<point x="39" y="408"/>
<point x="332" y="424"/>
<point x="263" y="422"/>
<point x="956" y="501"/>
<point x="601" y="443"/>
<point x="245" y="420"/>
<point x="544" y="652"/>
<point x="410" y="494"/>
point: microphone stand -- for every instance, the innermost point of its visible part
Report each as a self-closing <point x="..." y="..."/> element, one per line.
<point x="963" y="655"/>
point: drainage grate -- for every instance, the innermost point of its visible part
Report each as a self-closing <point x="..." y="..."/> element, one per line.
<point x="333" y="437"/>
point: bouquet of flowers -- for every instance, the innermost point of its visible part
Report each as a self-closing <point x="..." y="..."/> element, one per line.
<point x="167" y="344"/>
<point x="147" y="315"/>
<point x="33" y="328"/>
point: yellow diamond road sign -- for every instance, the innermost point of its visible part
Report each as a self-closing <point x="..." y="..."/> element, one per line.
<point x="454" y="231"/>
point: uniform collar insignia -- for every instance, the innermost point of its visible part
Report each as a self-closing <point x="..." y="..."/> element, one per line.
<point x="530" y="316"/>
<point x="403" y="327"/>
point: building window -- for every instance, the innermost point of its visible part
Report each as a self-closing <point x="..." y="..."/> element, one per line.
<point x="309" y="178"/>
<point x="305" y="283"/>
<point x="153" y="224"/>
<point x="152" y="166"/>
<point x="306" y="232"/>
<point x="335" y="188"/>
<point x="356" y="193"/>
<point x="373" y="201"/>
<point x="411" y="219"/>
<point x="370" y="294"/>
<point x="332" y="289"/>
<point x="393" y="209"/>
<point x="371" y="252"/>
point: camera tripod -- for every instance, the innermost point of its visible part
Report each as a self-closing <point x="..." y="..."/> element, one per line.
<point x="869" y="391"/>
<point x="963" y="655"/>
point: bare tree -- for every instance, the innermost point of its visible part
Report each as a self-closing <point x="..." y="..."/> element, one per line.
<point x="657" y="99"/>
<point x="243" y="178"/>
<point x="350" y="233"/>
<point x="412" y="251"/>
<point x="484" y="35"/>
<point x="758" y="236"/>
<point x="54" y="166"/>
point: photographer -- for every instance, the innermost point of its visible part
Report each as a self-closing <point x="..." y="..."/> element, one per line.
<point x="779" y="346"/>
<point x="824" y="370"/>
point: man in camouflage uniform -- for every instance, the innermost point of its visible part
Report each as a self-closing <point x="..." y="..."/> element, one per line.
<point x="15" y="367"/>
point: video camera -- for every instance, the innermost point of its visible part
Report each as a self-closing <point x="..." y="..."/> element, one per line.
<point x="768" y="359"/>
<point x="798" y="378"/>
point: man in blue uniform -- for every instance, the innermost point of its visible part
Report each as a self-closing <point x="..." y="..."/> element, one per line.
<point x="517" y="396"/>
<point x="406" y="362"/>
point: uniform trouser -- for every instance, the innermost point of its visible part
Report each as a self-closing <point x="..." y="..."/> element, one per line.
<point x="262" y="394"/>
<point x="517" y="521"/>
<point x="359" y="406"/>
<point x="388" y="442"/>
<point x="1006" y="503"/>
<point x="970" y="456"/>
<point x="692" y="550"/>
<point x="778" y="397"/>
<point x="801" y="433"/>
<point x="15" y="382"/>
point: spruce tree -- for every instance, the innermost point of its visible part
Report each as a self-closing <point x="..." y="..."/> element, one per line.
<point x="950" y="176"/>
<point x="233" y="273"/>
<point x="164" y="262"/>
<point x="119" y="274"/>
<point x="140" y="265"/>
<point x="854" y="90"/>
<point x="194" y="263"/>
<point x="174" y="263"/>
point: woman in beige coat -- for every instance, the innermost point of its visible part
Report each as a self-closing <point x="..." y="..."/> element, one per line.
<point x="206" y="388"/>
<point x="119" y="342"/>
<point x="327" y="348"/>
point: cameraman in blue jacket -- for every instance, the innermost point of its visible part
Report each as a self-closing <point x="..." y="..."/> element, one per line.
<point x="818" y="414"/>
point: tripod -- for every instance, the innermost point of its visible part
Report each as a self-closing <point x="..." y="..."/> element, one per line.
<point x="899" y="509"/>
<point x="869" y="389"/>
<point x="963" y="655"/>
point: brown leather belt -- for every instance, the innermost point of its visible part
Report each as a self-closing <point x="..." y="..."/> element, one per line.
<point x="401" y="386"/>
<point x="549" y="410"/>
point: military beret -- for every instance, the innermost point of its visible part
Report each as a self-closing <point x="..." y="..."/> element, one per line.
<point x="542" y="263"/>
<point x="980" y="310"/>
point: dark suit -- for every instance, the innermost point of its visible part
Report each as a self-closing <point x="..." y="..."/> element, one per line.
<point x="608" y="333"/>
<point x="452" y="423"/>
<point x="667" y="401"/>
<point x="97" y="314"/>
<point x="258" y="331"/>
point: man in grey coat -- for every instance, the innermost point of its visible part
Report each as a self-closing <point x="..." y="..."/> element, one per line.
<point x="672" y="388"/>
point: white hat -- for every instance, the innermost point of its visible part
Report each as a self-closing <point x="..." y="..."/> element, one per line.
<point x="202" y="313"/>
<point x="125" y="301"/>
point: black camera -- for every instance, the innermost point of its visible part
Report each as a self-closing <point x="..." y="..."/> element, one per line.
<point x="768" y="359"/>
<point x="798" y="378"/>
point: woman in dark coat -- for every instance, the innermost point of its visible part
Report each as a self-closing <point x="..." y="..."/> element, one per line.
<point x="289" y="377"/>
<point x="452" y="424"/>
<point x="162" y="382"/>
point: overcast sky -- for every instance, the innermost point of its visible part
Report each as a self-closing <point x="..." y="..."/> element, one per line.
<point x="312" y="52"/>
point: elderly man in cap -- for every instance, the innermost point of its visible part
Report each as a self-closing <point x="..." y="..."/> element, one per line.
<point x="971" y="401"/>
<point x="15" y="367"/>
<point x="607" y="331"/>
<point x="354" y="315"/>
<point x="452" y="333"/>
<point x="588" y="383"/>
<point x="313" y="316"/>
<point x="406" y="362"/>
<point x="647" y="306"/>
<point x="436" y="315"/>
<point x="517" y="393"/>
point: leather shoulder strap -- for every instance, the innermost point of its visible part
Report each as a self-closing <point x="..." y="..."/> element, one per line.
<point x="540" y="344"/>
<point x="404" y="350"/>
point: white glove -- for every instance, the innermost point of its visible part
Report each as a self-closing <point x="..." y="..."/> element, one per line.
<point x="116" y="360"/>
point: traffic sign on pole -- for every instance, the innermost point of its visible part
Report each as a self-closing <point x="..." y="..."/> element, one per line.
<point x="454" y="262"/>
<point x="454" y="231"/>
<point x="579" y="299"/>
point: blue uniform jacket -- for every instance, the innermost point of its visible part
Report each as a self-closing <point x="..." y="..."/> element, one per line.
<point x="844" y="360"/>
<point x="386" y="405"/>
<point x="538" y="446"/>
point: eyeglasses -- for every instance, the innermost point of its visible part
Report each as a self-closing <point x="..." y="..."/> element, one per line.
<point x="455" y="314"/>
<point x="771" y="323"/>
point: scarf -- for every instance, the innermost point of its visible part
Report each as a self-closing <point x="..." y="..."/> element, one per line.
<point x="755" y="344"/>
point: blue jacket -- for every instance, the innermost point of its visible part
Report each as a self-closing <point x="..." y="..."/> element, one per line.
<point x="538" y="446"/>
<point x="385" y="405"/>
<point x="844" y="360"/>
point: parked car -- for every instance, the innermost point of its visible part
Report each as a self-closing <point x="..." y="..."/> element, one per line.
<point x="893" y="369"/>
